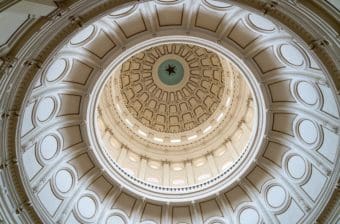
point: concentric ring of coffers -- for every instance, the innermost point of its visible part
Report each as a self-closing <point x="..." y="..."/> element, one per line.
<point x="210" y="81"/>
<point x="289" y="182"/>
<point x="132" y="154"/>
<point x="203" y="105"/>
<point x="173" y="108"/>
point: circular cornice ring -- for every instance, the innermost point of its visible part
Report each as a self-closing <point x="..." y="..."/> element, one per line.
<point x="179" y="194"/>
<point x="323" y="54"/>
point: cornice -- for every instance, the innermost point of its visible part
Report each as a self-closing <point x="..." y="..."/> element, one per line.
<point x="27" y="63"/>
<point x="330" y="214"/>
<point x="27" y="57"/>
<point x="294" y="16"/>
<point x="324" y="10"/>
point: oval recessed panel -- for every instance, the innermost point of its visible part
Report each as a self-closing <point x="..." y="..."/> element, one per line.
<point x="45" y="108"/>
<point x="276" y="196"/>
<point x="63" y="181"/>
<point x="83" y="35"/>
<point x="308" y="131"/>
<point x="49" y="147"/>
<point x="87" y="207"/>
<point x="307" y="93"/>
<point x="249" y="216"/>
<point x="122" y="11"/>
<point x="115" y="220"/>
<point x="291" y="55"/>
<point x="56" y="70"/>
<point x="261" y="23"/>
<point x="296" y="167"/>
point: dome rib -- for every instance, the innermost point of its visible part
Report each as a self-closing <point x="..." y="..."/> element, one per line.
<point x="297" y="160"/>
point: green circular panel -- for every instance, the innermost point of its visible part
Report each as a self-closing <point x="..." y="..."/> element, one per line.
<point x="170" y="72"/>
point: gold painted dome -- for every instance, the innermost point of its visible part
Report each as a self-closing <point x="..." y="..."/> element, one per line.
<point x="173" y="106"/>
<point x="172" y="102"/>
<point x="169" y="111"/>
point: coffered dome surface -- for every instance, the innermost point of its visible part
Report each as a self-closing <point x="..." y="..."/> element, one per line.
<point x="170" y="108"/>
<point x="85" y="142"/>
<point x="210" y="107"/>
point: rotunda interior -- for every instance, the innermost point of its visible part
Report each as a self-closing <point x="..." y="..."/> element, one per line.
<point x="169" y="111"/>
<point x="166" y="126"/>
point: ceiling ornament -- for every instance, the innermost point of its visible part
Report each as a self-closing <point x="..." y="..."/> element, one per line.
<point x="55" y="171"/>
<point x="148" y="125"/>
<point x="172" y="88"/>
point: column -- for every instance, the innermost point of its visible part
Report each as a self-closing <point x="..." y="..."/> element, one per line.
<point x="231" y="149"/>
<point x="122" y="155"/>
<point x="245" y="128"/>
<point x="190" y="173"/>
<point x="142" y="168"/>
<point x="212" y="165"/>
<point x="166" y="174"/>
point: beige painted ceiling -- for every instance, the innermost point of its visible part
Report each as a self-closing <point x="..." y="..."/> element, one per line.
<point x="163" y="128"/>
<point x="73" y="152"/>
<point x="166" y="108"/>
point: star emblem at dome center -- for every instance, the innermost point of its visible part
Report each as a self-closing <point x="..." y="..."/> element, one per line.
<point x="171" y="69"/>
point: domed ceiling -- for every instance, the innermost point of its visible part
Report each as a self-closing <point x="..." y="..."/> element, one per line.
<point x="170" y="112"/>
<point x="172" y="88"/>
<point x="172" y="105"/>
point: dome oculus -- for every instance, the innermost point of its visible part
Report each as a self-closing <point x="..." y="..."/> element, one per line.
<point x="170" y="72"/>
